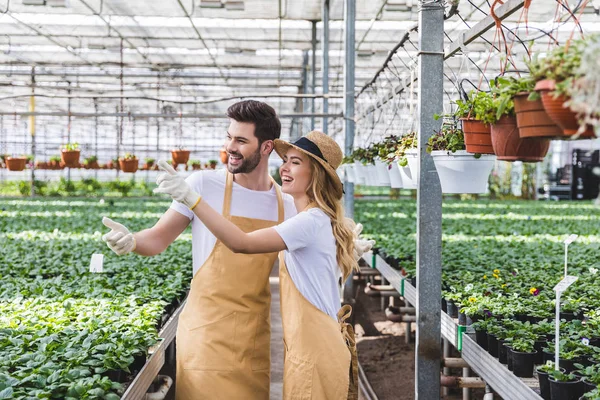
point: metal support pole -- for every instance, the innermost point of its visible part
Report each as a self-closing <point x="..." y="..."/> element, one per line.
<point x="32" y="130"/>
<point x="96" y="136"/>
<point x="118" y="148"/>
<point x="69" y="127"/>
<point x="446" y="370"/>
<point x="305" y="87"/>
<point x="466" y="372"/>
<point x="325" y="60"/>
<point x="313" y="70"/>
<point x="429" y="203"/>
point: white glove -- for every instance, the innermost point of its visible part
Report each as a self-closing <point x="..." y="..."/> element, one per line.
<point x="169" y="182"/>
<point x="361" y="246"/>
<point x="119" y="239"/>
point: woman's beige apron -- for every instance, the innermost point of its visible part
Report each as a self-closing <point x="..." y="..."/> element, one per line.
<point x="224" y="332"/>
<point x="320" y="353"/>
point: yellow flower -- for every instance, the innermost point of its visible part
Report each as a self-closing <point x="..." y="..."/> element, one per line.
<point x="504" y="285"/>
<point x="532" y="290"/>
<point x="496" y="276"/>
<point x="472" y="299"/>
<point x="485" y="277"/>
<point x="496" y="271"/>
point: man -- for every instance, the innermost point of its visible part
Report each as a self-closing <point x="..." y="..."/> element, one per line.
<point x="223" y="337"/>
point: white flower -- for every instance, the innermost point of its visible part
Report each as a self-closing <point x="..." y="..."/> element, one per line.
<point x="593" y="270"/>
<point x="469" y="287"/>
<point x="585" y="341"/>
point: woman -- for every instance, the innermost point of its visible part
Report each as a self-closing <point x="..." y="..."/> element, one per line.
<point x="317" y="250"/>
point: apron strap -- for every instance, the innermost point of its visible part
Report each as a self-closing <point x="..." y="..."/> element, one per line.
<point x="227" y="198"/>
<point x="350" y="340"/>
<point x="280" y="210"/>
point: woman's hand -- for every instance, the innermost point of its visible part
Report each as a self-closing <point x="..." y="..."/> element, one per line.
<point x="173" y="184"/>
<point x="361" y="245"/>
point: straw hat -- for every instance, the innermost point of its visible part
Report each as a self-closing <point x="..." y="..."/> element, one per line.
<point x="322" y="149"/>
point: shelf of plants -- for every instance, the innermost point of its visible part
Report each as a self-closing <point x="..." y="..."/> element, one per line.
<point x="65" y="332"/>
<point x="501" y="260"/>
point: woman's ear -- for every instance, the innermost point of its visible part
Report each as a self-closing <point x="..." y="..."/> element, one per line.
<point x="267" y="147"/>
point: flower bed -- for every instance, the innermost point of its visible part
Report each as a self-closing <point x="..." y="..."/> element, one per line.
<point x="66" y="333"/>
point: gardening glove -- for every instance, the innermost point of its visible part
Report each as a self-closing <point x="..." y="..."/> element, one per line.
<point x="119" y="239"/>
<point x="361" y="245"/>
<point x="173" y="184"/>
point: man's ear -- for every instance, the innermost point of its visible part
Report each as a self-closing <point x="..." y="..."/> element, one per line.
<point x="267" y="147"/>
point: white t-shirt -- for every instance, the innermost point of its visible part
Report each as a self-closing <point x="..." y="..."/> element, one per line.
<point x="244" y="203"/>
<point x="311" y="258"/>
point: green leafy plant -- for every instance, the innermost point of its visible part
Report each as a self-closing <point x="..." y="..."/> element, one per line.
<point x="70" y="147"/>
<point x="407" y="142"/>
<point x="90" y="160"/>
<point x="476" y="106"/>
<point x="561" y="376"/>
<point x="123" y="187"/>
<point x="149" y="160"/>
<point x="129" y="156"/>
<point x="450" y="138"/>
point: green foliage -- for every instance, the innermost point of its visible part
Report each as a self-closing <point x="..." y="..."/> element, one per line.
<point x="66" y="187"/>
<point x="123" y="187"/>
<point x="192" y="163"/>
<point x="149" y="160"/>
<point x="476" y="106"/>
<point x="70" y="147"/>
<point x="25" y="188"/>
<point x="128" y="156"/>
<point x="89" y="160"/>
<point x="450" y="138"/>
<point x="55" y="159"/>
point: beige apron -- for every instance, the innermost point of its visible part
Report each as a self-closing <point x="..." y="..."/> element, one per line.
<point x="224" y="331"/>
<point x="320" y="354"/>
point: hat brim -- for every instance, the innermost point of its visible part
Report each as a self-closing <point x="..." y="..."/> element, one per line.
<point x="282" y="147"/>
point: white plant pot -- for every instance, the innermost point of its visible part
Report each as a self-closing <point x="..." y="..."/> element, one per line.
<point x="360" y="173"/>
<point x="382" y="173"/>
<point x="407" y="179"/>
<point x="413" y="164"/>
<point x="461" y="172"/>
<point x="349" y="172"/>
<point x="395" y="176"/>
<point x="372" y="177"/>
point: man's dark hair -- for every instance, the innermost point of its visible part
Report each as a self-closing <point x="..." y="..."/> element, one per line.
<point x="263" y="116"/>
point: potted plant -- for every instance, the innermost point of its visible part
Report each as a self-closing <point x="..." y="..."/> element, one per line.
<point x="148" y="163"/>
<point x="542" y="372"/>
<point x="471" y="113"/>
<point x="195" y="164"/>
<point x="364" y="166"/>
<point x="16" y="163"/>
<point x="381" y="166"/>
<point x="386" y="162"/>
<point x="348" y="168"/>
<point x="70" y="153"/>
<point x="555" y="76"/>
<point x="408" y="161"/>
<point x="590" y="376"/>
<point x="55" y="162"/>
<point x="593" y="395"/>
<point x="180" y="156"/>
<point x="91" y="162"/>
<point x="459" y="171"/>
<point x="564" y="386"/>
<point x="523" y="356"/>
<point x="506" y="141"/>
<point x="584" y="92"/>
<point x="128" y="163"/>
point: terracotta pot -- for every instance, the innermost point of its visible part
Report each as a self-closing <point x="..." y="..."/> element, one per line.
<point x="508" y="146"/>
<point x="478" y="138"/>
<point x="561" y="115"/>
<point x="224" y="156"/>
<point x="92" y="165"/>
<point x="128" y="165"/>
<point x="180" y="156"/>
<point x="16" y="163"/>
<point x="70" y="158"/>
<point x="532" y="119"/>
<point x="196" y="167"/>
<point x="212" y="165"/>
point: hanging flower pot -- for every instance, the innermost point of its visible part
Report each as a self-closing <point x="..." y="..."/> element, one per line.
<point x="412" y="156"/>
<point x="349" y="172"/>
<point x="224" y="156"/>
<point x="180" y="156"/>
<point x="478" y="137"/>
<point x="508" y="145"/>
<point x="462" y="172"/>
<point x="382" y="173"/>
<point x="372" y="175"/>
<point x="555" y="108"/>
<point x="532" y="119"/>
<point x="360" y="173"/>
<point x="16" y="163"/>
<point x="128" y="164"/>
<point x="394" y="175"/>
<point x="70" y="158"/>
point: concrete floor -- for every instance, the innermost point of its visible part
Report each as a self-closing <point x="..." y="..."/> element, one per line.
<point x="276" y="338"/>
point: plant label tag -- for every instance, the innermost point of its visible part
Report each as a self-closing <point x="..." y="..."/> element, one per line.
<point x="565" y="283"/>
<point x="570" y="239"/>
<point x="96" y="265"/>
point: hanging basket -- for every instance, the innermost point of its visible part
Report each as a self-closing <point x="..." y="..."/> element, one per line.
<point x="394" y="173"/>
<point x="508" y="145"/>
<point x="532" y="119"/>
<point x="224" y="156"/>
<point x="16" y="163"/>
<point x="563" y="116"/>
<point x="70" y="158"/>
<point x="372" y="175"/>
<point x="129" y="165"/>
<point x="382" y="173"/>
<point x="349" y="172"/>
<point x="412" y="171"/>
<point x="478" y="138"/>
<point x="461" y="172"/>
<point x="180" y="156"/>
<point x="360" y="172"/>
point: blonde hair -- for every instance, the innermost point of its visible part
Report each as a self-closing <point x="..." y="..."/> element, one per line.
<point x="324" y="195"/>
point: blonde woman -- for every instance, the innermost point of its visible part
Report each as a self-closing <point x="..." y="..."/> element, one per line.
<point x="317" y="253"/>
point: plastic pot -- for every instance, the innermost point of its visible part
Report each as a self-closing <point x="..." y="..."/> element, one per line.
<point x="478" y="137"/>
<point x="509" y="146"/>
<point x="462" y="319"/>
<point x="413" y="164"/>
<point x="502" y="352"/>
<point x="570" y="390"/>
<point x="452" y="309"/>
<point x="532" y="119"/>
<point x="461" y="172"/>
<point x="360" y="173"/>
<point x="539" y="356"/>
<point x="481" y="337"/>
<point x="382" y="173"/>
<point x="509" y="358"/>
<point x="544" y="385"/>
<point x="492" y="345"/>
<point x="350" y="175"/>
<point x="394" y="175"/>
<point x="522" y="363"/>
<point x="588" y="386"/>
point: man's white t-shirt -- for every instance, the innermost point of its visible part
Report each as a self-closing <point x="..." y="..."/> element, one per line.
<point x="210" y="184"/>
<point x="311" y="258"/>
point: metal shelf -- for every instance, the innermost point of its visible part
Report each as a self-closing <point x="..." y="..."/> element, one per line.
<point x="393" y="276"/>
<point x="138" y="388"/>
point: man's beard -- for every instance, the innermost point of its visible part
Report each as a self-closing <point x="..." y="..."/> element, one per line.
<point x="248" y="163"/>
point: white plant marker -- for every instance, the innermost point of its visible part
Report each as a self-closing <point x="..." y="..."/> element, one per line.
<point x="96" y="265"/>
<point x="567" y="242"/>
<point x="559" y="289"/>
